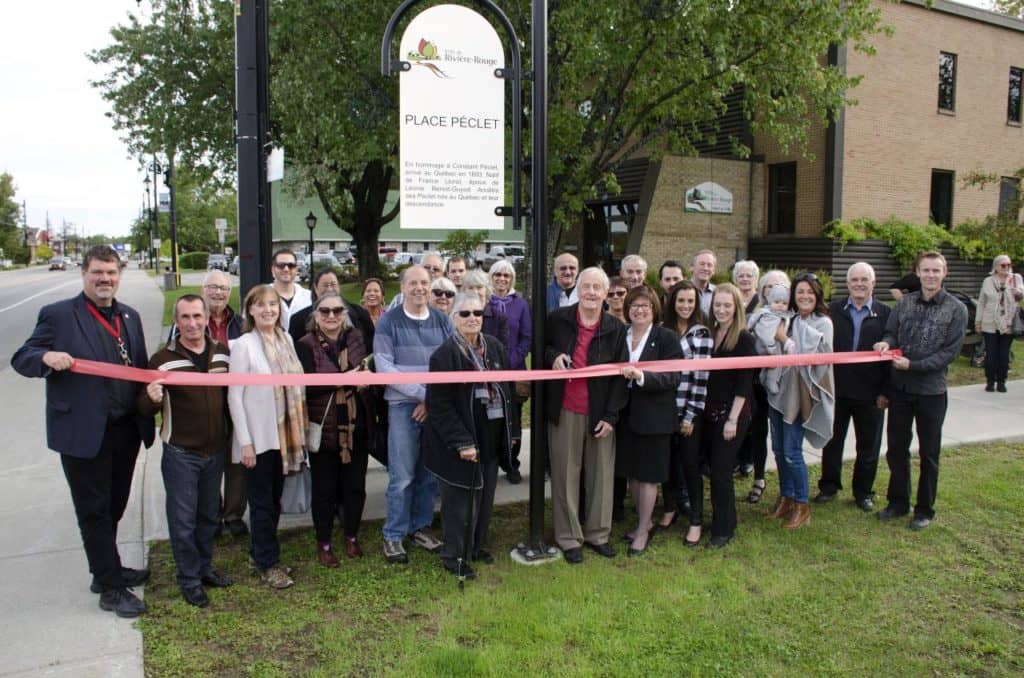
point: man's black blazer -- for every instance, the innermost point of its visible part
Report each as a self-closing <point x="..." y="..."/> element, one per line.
<point x="865" y="381"/>
<point x="76" y="404"/>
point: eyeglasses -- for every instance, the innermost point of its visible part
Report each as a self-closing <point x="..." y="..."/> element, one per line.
<point x="331" y="310"/>
<point x="617" y="293"/>
<point x="640" y="307"/>
<point x="217" y="288"/>
<point x="443" y="293"/>
<point x="1006" y="265"/>
<point x="284" y="266"/>
<point x="475" y="314"/>
<point x="501" y="275"/>
<point x="434" y="269"/>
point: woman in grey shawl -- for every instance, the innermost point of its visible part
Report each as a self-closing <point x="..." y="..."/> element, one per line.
<point x="801" y="399"/>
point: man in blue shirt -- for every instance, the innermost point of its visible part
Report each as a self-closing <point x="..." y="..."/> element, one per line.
<point x="405" y="338"/>
<point x="858" y="323"/>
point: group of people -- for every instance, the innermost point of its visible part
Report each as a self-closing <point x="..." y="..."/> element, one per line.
<point x="610" y="435"/>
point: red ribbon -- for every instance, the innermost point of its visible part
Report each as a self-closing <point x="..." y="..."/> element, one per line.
<point x="353" y="378"/>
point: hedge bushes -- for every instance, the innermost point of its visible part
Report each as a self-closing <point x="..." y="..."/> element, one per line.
<point x="194" y="260"/>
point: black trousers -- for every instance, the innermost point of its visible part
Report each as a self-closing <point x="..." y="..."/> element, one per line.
<point x="997" y="356"/>
<point x="927" y="412"/>
<point x="721" y="455"/>
<point x="689" y="449"/>
<point x="867" y="427"/>
<point x="99" y="491"/>
<point x="675" y="493"/>
<point x="455" y="512"/>
<point x="264" y="483"/>
<point x="754" y="448"/>
<point x="336" y="484"/>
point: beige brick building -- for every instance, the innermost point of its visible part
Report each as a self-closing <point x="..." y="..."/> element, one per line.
<point x="940" y="98"/>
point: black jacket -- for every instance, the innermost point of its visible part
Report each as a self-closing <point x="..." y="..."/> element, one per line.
<point x="652" y="407"/>
<point x="450" y="425"/>
<point x="606" y="395"/>
<point x="360" y="318"/>
<point x="865" y="381"/>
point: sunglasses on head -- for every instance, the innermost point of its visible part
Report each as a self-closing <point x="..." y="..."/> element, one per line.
<point x="475" y="314"/>
<point x="805" y="277"/>
<point x="443" y="293"/>
<point x="286" y="265"/>
<point x="331" y="310"/>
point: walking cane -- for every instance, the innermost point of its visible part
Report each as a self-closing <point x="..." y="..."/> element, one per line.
<point x="464" y="557"/>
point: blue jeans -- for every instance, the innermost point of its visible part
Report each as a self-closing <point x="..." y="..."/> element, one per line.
<point x="411" y="487"/>
<point x="788" y="446"/>
<point x="192" y="482"/>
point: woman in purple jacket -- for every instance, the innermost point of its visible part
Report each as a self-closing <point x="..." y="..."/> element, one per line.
<point x="505" y="301"/>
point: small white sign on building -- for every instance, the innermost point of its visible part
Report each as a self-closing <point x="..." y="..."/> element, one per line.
<point x="708" y="197"/>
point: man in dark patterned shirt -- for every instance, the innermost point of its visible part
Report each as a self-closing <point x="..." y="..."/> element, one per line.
<point x="928" y="327"/>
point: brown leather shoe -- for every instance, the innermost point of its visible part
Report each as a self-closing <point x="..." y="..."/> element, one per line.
<point x="327" y="557"/>
<point x="799" y="516"/>
<point x="783" y="505"/>
<point x="352" y="549"/>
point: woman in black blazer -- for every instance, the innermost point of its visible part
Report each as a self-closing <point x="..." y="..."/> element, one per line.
<point x="645" y="428"/>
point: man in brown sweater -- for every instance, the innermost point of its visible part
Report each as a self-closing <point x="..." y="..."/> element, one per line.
<point x="195" y="435"/>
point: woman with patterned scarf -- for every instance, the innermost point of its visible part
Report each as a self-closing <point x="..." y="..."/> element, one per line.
<point x="467" y="434"/>
<point x="269" y="447"/>
<point x="333" y="345"/>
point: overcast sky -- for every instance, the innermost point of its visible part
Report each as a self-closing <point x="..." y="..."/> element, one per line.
<point x="54" y="138"/>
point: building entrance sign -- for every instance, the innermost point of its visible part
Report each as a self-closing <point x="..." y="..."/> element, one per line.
<point x="452" y="121"/>
<point x="708" y="197"/>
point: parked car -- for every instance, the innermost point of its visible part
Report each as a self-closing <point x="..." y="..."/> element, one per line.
<point x="217" y="262"/>
<point x="513" y="254"/>
<point x="344" y="257"/>
<point x="407" y="258"/>
<point x="233" y="266"/>
<point x="387" y="255"/>
<point x="320" y="260"/>
<point x="57" y="264"/>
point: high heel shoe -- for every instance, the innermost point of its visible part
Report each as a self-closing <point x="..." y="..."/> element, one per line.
<point x="660" y="525"/>
<point x="632" y="552"/>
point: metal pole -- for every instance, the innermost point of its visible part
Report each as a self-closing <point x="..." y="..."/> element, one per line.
<point x="171" y="186"/>
<point x="538" y="268"/>
<point x="155" y="168"/>
<point x="252" y="120"/>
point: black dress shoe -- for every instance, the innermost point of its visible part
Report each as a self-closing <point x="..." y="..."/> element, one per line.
<point x="824" y="497"/>
<point x="483" y="556"/>
<point x="466" y="572"/>
<point x="514" y="477"/>
<point x="237" y="528"/>
<point x="195" y="595"/>
<point x="1001" y="387"/>
<point x="888" y="513"/>
<point x="866" y="504"/>
<point x="718" y="542"/>
<point x="990" y="387"/>
<point x="216" y="580"/>
<point x="122" y="602"/>
<point x="130" y="577"/>
<point x="605" y="549"/>
<point x="632" y="552"/>
<point x="573" y="556"/>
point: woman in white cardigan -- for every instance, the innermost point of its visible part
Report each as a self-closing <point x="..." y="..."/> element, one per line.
<point x="998" y="303"/>
<point x="268" y="446"/>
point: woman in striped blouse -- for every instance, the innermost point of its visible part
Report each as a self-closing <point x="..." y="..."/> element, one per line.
<point x="683" y="315"/>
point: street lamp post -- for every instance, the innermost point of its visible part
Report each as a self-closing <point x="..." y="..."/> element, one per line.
<point x="155" y="167"/>
<point x="311" y="224"/>
<point x="149" y="222"/>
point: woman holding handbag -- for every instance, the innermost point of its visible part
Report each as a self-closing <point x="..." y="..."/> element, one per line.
<point x="269" y="426"/>
<point x="998" y="305"/>
<point x="338" y="459"/>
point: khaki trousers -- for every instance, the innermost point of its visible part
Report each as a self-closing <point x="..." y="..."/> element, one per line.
<point x="572" y="447"/>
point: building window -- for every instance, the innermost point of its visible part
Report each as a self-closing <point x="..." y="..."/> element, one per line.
<point x="1009" y="196"/>
<point x="941" y="204"/>
<point x="1013" y="96"/>
<point x="947" y="81"/>
<point x="782" y="198"/>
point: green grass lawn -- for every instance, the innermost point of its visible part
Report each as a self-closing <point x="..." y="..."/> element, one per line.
<point x="846" y="596"/>
<point x="962" y="373"/>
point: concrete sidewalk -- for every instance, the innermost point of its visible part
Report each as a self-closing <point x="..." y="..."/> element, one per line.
<point x="53" y="626"/>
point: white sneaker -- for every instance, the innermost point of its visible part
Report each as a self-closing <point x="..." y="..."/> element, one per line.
<point x="394" y="552"/>
<point x="425" y="541"/>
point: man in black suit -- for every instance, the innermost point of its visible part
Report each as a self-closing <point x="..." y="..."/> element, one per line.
<point x="858" y="323"/>
<point x="92" y="421"/>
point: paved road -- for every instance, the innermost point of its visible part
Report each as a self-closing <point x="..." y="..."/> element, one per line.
<point x="22" y="293"/>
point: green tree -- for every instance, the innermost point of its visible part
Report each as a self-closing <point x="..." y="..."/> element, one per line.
<point x="462" y="243"/>
<point x="12" y="236"/>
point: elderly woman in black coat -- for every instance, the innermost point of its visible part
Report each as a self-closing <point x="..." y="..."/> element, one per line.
<point x="467" y="434"/>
